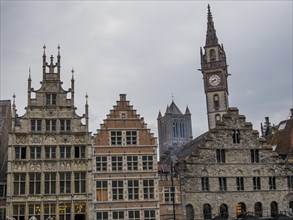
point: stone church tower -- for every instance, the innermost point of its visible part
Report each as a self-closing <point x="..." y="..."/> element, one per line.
<point x="215" y="74"/>
<point x="49" y="153"/>
<point x="174" y="129"/>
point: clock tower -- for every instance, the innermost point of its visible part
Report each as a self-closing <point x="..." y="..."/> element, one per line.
<point x="215" y="74"/>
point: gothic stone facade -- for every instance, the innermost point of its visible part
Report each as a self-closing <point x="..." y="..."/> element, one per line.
<point x="230" y="171"/>
<point x="126" y="173"/>
<point x="49" y="154"/>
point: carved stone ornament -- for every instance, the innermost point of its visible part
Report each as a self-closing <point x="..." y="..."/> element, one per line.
<point x="65" y="138"/>
<point x="36" y="112"/>
<point x="65" y="165"/>
<point x="79" y="139"/>
<point x="50" y="139"/>
<point x="36" y="139"/>
<point x="20" y="139"/>
<point x="35" y="166"/>
<point x="65" y="112"/>
<point x="51" y="86"/>
<point x="51" y="113"/>
<point x="19" y="166"/>
<point x="50" y="166"/>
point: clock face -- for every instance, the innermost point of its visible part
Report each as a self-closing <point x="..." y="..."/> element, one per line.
<point x="214" y="80"/>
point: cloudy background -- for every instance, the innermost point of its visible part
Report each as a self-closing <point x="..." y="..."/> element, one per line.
<point x="150" y="50"/>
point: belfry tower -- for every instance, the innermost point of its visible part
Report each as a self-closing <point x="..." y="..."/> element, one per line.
<point x="215" y="74"/>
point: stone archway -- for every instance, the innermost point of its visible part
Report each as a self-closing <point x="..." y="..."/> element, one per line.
<point x="240" y="209"/>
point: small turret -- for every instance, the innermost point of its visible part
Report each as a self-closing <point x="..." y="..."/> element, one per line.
<point x="86" y="112"/>
<point x="72" y="88"/>
<point x="160" y="115"/>
<point x="29" y="87"/>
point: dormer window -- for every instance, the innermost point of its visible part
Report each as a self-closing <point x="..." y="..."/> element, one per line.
<point x="51" y="99"/>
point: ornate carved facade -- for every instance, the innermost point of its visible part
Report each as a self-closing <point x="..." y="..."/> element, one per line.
<point x="49" y="159"/>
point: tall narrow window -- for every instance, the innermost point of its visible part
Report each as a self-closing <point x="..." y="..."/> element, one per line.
<point x="35" y="183"/>
<point x="182" y="129"/>
<point x="222" y="183"/>
<point x="175" y="129"/>
<point x="148" y="189"/>
<point x="274" y="209"/>
<point x="207" y="211"/>
<point x="240" y="183"/>
<point x="50" y="152"/>
<point x="254" y="156"/>
<point x="50" y="183"/>
<point x="133" y="189"/>
<point x="131" y="137"/>
<point x="236" y="136"/>
<point x="147" y="162"/>
<point x="290" y="182"/>
<point x="34" y="210"/>
<point x="218" y="117"/>
<point x="212" y="54"/>
<point x="221" y="158"/>
<point x="216" y="102"/>
<point x="117" y="190"/>
<point x="168" y="194"/>
<point x="65" y="182"/>
<point x="36" y="125"/>
<point x="49" y="211"/>
<point x="116" y="138"/>
<point x="272" y="182"/>
<point x="19" y="183"/>
<point x="102" y="190"/>
<point x="258" y="209"/>
<point x="189" y="212"/>
<point x="35" y="152"/>
<point x="65" y="125"/>
<point x="79" y="182"/>
<point x="132" y="163"/>
<point x="51" y="99"/>
<point x="51" y="125"/>
<point x="20" y="153"/>
<point x="101" y="163"/>
<point x="149" y="215"/>
<point x="117" y="163"/>
<point x="19" y="212"/>
<point x="64" y="211"/>
<point x="65" y="152"/>
<point x="79" y="152"/>
<point x="256" y="183"/>
<point x="205" y="185"/>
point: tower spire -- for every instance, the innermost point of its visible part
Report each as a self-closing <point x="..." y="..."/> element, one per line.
<point x="211" y="37"/>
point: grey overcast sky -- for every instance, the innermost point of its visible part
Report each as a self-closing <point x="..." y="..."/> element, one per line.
<point x="150" y="50"/>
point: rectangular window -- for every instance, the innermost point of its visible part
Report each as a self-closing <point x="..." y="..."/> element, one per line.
<point x="65" y="152"/>
<point x="36" y="125"/>
<point x="20" y="153"/>
<point x="134" y="215"/>
<point x="64" y="211"/>
<point x="169" y="194"/>
<point x="147" y="162"/>
<point x="131" y="137"/>
<point x="18" y="212"/>
<point x="116" y="138"/>
<point x="222" y="183"/>
<point x="117" y="190"/>
<point x="117" y="163"/>
<point x="205" y="184"/>
<point x="35" y="152"/>
<point x="102" y="191"/>
<point x="65" y="125"/>
<point x="79" y="152"/>
<point x="290" y="182"/>
<point x="256" y="183"/>
<point x="50" y="125"/>
<point x="2" y="190"/>
<point x="254" y="156"/>
<point x="133" y="189"/>
<point x="221" y="158"/>
<point x="102" y="215"/>
<point x="240" y="183"/>
<point x="272" y="182"/>
<point x="34" y="210"/>
<point x="148" y="189"/>
<point x="149" y="215"/>
<point x="236" y="136"/>
<point x="65" y="182"/>
<point x="51" y="99"/>
<point x="79" y="182"/>
<point x="101" y="164"/>
<point x="49" y="211"/>
<point x="50" y="183"/>
<point x="50" y="152"/>
<point x="19" y="183"/>
<point x="35" y="183"/>
<point x="118" y="215"/>
<point x="132" y="163"/>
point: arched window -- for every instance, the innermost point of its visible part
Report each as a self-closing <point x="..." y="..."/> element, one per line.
<point x="224" y="211"/>
<point x="258" y="209"/>
<point x="207" y="211"/>
<point x="212" y="55"/>
<point x="175" y="129"/>
<point x="274" y="209"/>
<point x="182" y="129"/>
<point x="189" y="212"/>
<point x="240" y="209"/>
<point x="291" y="206"/>
<point x="216" y="101"/>
<point x="218" y="117"/>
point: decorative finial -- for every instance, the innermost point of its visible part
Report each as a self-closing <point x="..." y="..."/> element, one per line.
<point x="58" y="49"/>
<point x="29" y="72"/>
<point x="44" y="47"/>
<point x="172" y="95"/>
<point x="51" y="58"/>
<point x="86" y="98"/>
<point x="14" y="99"/>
